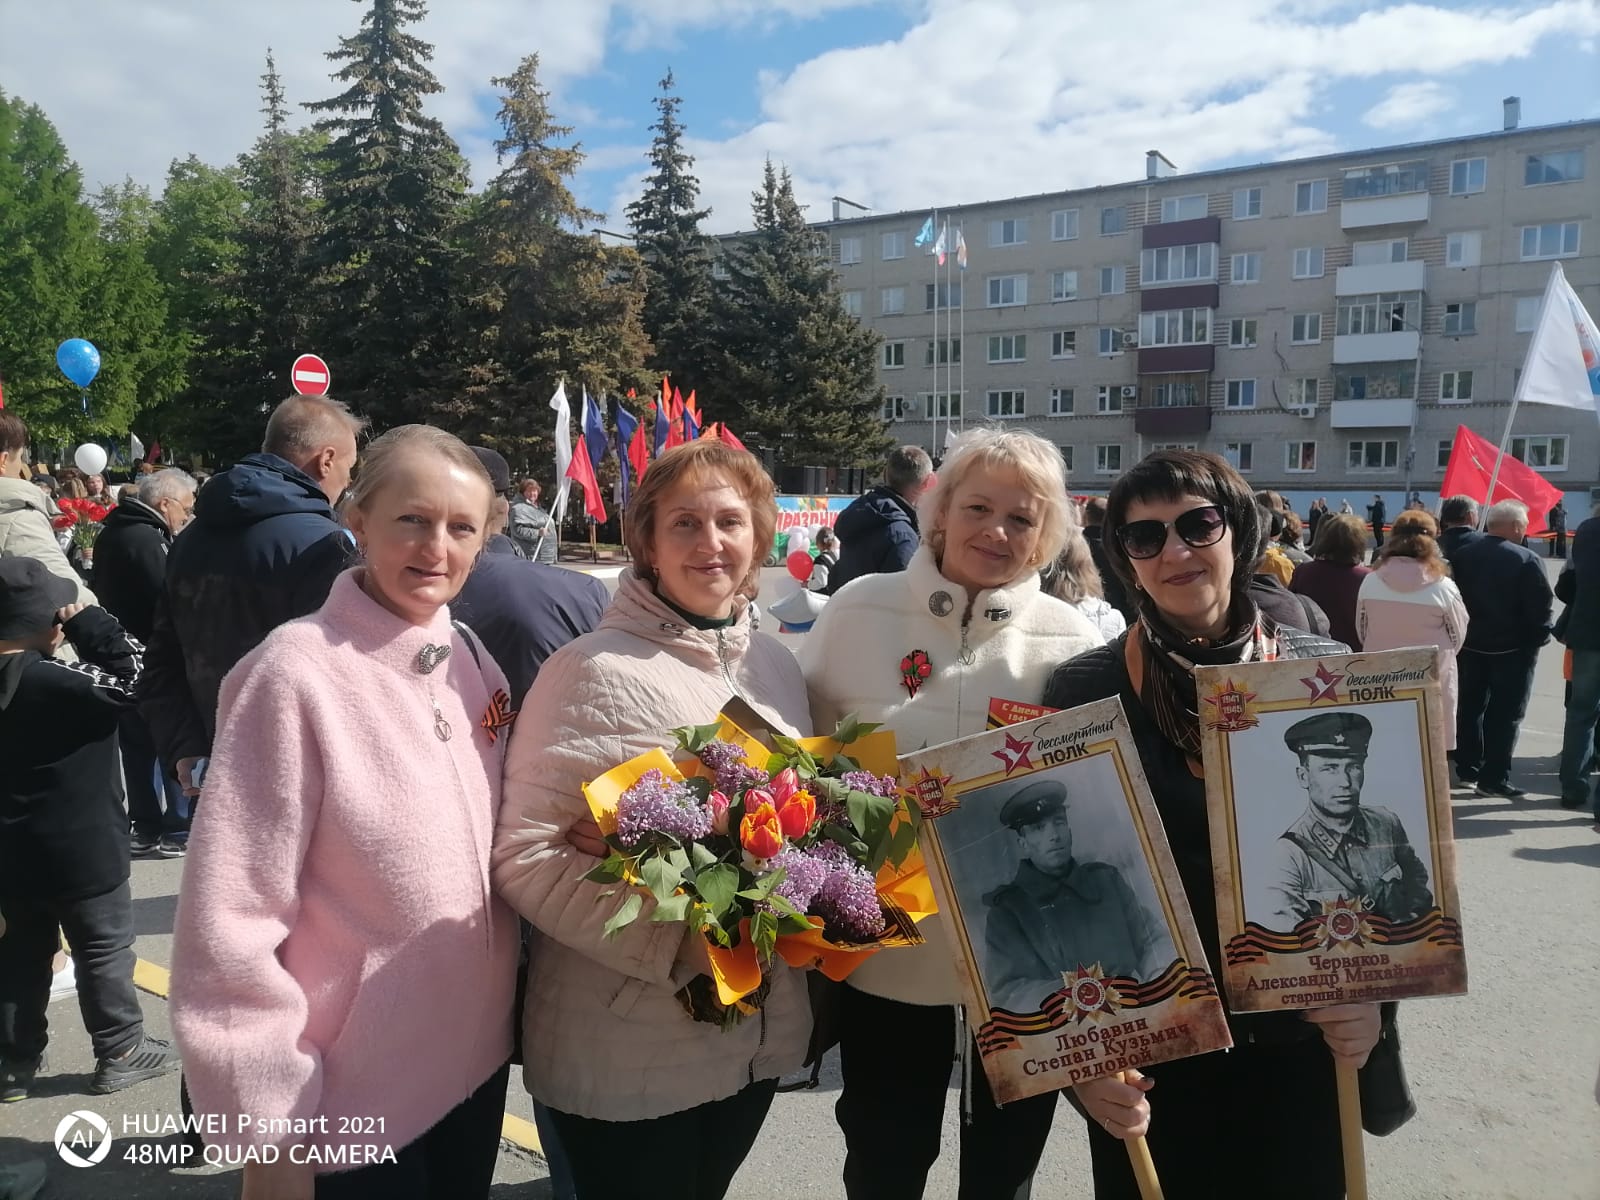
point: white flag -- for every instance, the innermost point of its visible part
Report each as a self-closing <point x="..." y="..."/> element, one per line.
<point x="1563" y="362"/>
<point x="558" y="508"/>
<point x="135" y="447"/>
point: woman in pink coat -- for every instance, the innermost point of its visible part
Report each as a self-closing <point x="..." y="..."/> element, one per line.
<point x="1410" y="600"/>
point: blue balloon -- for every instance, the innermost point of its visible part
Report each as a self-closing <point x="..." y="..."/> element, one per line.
<point x="79" y="361"/>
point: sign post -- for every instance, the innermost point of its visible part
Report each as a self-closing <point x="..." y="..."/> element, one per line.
<point x="310" y="376"/>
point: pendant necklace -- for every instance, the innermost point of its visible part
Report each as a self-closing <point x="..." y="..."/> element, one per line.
<point x="429" y="657"/>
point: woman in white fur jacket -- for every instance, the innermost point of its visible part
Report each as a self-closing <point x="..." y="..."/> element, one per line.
<point x="969" y="606"/>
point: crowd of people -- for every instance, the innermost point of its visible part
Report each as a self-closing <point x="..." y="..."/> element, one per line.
<point x="365" y="712"/>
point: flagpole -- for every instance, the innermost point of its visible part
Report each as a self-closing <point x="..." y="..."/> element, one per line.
<point x="961" y="338"/>
<point x="933" y="395"/>
<point x="949" y="367"/>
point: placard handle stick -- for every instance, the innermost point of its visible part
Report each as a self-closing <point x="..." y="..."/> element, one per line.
<point x="1355" y="1161"/>
<point x="1144" y="1170"/>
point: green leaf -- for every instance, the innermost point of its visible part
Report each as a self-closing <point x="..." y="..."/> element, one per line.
<point x="762" y="887"/>
<point x="700" y="786"/>
<point x="901" y="843"/>
<point x="694" y="738"/>
<point x="609" y="871"/>
<point x="661" y="876"/>
<point x="624" y="916"/>
<point x="679" y="858"/>
<point x="674" y="908"/>
<point x="700" y="857"/>
<point x="718" y="886"/>
<point x="851" y="729"/>
<point x="871" y="815"/>
<point x="763" y="934"/>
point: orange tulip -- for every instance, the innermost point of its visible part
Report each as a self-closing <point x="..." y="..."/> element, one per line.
<point x="796" y="813"/>
<point x="760" y="832"/>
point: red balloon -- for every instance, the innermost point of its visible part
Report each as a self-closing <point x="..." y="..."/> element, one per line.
<point x="799" y="564"/>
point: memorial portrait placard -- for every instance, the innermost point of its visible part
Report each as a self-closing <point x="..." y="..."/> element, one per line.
<point x="1074" y="942"/>
<point x="1329" y="806"/>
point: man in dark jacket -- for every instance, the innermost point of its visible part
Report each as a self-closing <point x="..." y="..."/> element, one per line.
<point x="878" y="532"/>
<point x="1557" y="520"/>
<point x="265" y="547"/>
<point x="1377" y="514"/>
<point x="130" y="564"/>
<point x="1116" y="595"/>
<point x="1458" y="524"/>
<point x="1509" y="603"/>
<point x="1578" y="587"/>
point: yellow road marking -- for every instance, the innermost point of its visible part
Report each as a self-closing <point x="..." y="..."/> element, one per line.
<point x="157" y="980"/>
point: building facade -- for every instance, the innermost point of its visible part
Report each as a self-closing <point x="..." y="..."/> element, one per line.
<point x="1324" y="323"/>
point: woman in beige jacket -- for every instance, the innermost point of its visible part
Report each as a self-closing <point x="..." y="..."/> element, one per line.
<point x="647" y="1101"/>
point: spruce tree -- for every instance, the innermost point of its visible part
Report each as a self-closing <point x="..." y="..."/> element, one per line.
<point x="677" y="255"/>
<point x="799" y="370"/>
<point x="394" y="183"/>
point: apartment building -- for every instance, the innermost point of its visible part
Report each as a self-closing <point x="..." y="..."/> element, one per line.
<point x="1324" y="323"/>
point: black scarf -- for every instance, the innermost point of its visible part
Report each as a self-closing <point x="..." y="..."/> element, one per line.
<point x="1166" y="684"/>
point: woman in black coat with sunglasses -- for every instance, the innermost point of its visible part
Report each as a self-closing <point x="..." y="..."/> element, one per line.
<point x="1183" y="532"/>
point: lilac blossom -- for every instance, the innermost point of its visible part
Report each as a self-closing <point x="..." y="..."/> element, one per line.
<point x="735" y="780"/>
<point x="804" y="874"/>
<point x="847" y="901"/>
<point x="656" y="804"/>
<point x="866" y="781"/>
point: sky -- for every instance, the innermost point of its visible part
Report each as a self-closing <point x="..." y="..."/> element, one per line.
<point x="892" y="104"/>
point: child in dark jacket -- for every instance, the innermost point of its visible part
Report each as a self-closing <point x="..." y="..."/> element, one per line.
<point x="63" y="831"/>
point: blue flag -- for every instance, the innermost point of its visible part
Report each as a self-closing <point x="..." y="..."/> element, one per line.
<point x="594" y="429"/>
<point x="627" y="424"/>
<point x="663" y="426"/>
<point x="925" y="234"/>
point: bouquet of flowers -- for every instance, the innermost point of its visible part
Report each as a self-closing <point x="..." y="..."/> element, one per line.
<point x="805" y="848"/>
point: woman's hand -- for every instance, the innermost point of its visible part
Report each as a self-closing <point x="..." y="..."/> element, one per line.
<point x="281" y="1180"/>
<point x="1351" y="1030"/>
<point x="1117" y="1103"/>
<point x="585" y="836"/>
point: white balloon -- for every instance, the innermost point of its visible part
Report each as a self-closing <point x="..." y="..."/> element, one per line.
<point x="90" y="458"/>
<point x="799" y="539"/>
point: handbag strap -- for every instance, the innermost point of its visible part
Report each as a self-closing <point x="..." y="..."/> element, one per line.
<point x="1314" y="852"/>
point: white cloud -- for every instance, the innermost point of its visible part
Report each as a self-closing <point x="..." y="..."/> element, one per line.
<point x="1408" y="104"/>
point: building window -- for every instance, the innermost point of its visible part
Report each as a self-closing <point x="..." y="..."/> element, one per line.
<point x="1107" y="459"/>
<point x="1455" y="386"/>
<point x="1556" y="240"/>
<point x="1241" y="393"/>
<point x="940" y="405"/>
<point x="1468" y="175"/>
<point x="1303" y="392"/>
<point x="1007" y="290"/>
<point x="949" y="296"/>
<point x="1064" y="343"/>
<point x="851" y="303"/>
<point x="1245" y="268"/>
<point x="1109" y="341"/>
<point x="1174" y="445"/>
<point x="894" y="408"/>
<point x="1246" y="204"/>
<point x="1382" y="312"/>
<point x="894" y="355"/>
<point x="1527" y="313"/>
<point x="949" y="350"/>
<point x="1061" y="405"/>
<point x="1113" y="281"/>
<point x="1299" y="457"/>
<point x="1561" y="166"/>
<point x="1064" y="225"/>
<point x="1542" y="453"/>
<point x="719" y="269"/>
<point x="1177" y="392"/>
<point x="1063" y="286"/>
<point x="1375" y="381"/>
<point x="1441" y="454"/>
<point x="1240" y="456"/>
<point x="893" y="245"/>
<point x="892" y="301"/>
<point x="1242" y="332"/>
<point x="1108" y="398"/>
<point x="849" y="251"/>
<point x="1183" y="208"/>
<point x="1390" y="179"/>
<point x="1178" y="327"/>
<point x="1113" y="220"/>
<point x="1374" y="455"/>
<point x="1310" y="196"/>
<point x="1005" y="404"/>
<point x="1013" y="231"/>
<point x="1372" y="254"/>
<point x="1066" y="456"/>
<point x="1461" y="318"/>
<point x="1305" y="328"/>
<point x="1308" y="262"/>
<point x="1178" y="264"/>
<point x="1463" y="249"/>
<point x="1008" y="348"/>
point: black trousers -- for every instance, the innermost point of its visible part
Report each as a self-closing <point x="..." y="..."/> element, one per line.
<point x="100" y="931"/>
<point x="896" y="1061"/>
<point x="1494" y="697"/>
<point x="162" y="812"/>
<point x="688" y="1155"/>
<point x="454" y="1160"/>
<point x="1255" y="1122"/>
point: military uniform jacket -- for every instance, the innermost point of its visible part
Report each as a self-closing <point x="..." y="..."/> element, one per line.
<point x="1040" y="926"/>
<point x="1374" y="855"/>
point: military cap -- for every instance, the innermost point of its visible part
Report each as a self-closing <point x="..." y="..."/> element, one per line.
<point x="1330" y="735"/>
<point x="1034" y="802"/>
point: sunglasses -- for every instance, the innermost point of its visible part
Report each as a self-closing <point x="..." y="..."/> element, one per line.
<point x="1199" y="527"/>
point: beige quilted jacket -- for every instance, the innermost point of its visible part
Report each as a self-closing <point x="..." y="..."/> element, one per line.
<point x="604" y="1036"/>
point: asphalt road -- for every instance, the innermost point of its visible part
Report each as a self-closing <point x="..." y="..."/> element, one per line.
<point x="1505" y="1077"/>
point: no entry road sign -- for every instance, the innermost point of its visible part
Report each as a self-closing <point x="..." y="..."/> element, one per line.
<point x="310" y="376"/>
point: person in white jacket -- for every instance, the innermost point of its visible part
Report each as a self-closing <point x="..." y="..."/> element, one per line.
<point x="25" y="529"/>
<point x="969" y="605"/>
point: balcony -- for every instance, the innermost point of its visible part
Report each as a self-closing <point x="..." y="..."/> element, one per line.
<point x="1164" y="360"/>
<point x="1392" y="194"/>
<point x="1180" y="233"/>
<point x="1373" y="414"/>
<point x="1384" y="210"/>
<point x="1381" y="277"/>
<point x="1377" y="347"/>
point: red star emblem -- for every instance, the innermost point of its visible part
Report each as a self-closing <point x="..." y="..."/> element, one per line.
<point x="929" y="789"/>
<point x="1324" y="684"/>
<point x="1015" y="754"/>
<point x="1231" y="708"/>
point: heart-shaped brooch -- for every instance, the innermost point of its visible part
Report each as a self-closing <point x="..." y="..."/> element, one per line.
<point x="429" y="657"/>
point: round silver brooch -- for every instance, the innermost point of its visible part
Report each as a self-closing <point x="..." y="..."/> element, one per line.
<point x="940" y="604"/>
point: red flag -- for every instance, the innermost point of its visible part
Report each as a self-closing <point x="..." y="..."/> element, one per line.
<point x="155" y="452"/>
<point x="690" y="405"/>
<point x="639" y="452"/>
<point x="1472" y="463"/>
<point x="2" y="393"/>
<point x="631" y="395"/>
<point x="675" y="419"/>
<point x="727" y="436"/>
<point x="581" y="471"/>
<point x="711" y="431"/>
